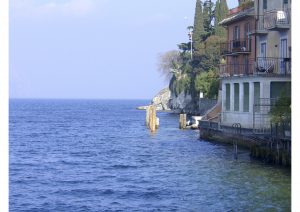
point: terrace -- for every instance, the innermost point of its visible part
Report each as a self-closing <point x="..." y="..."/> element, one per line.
<point x="259" y="28"/>
<point x="239" y="46"/>
<point x="262" y="66"/>
<point x="277" y="20"/>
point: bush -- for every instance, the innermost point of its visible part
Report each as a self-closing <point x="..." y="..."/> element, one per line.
<point x="208" y="83"/>
<point x="281" y="112"/>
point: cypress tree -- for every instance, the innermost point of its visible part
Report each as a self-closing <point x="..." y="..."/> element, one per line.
<point x="221" y="10"/>
<point x="207" y="17"/>
<point x="199" y="31"/>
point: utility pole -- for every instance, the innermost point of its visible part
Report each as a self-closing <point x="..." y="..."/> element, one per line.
<point x="190" y="34"/>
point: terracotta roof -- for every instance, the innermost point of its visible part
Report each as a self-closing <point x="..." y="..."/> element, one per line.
<point x="238" y="16"/>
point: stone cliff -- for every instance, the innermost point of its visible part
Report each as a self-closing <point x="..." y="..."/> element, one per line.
<point x="160" y="100"/>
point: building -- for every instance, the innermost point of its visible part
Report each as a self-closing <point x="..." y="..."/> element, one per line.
<point x="258" y="62"/>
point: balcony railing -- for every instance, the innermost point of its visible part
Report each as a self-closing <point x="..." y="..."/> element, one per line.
<point x="259" y="26"/>
<point x="240" y="46"/>
<point x="262" y="66"/>
<point x="227" y="70"/>
<point x="278" y="19"/>
<point x="272" y="65"/>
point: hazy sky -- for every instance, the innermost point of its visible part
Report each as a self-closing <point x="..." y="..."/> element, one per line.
<point x="93" y="48"/>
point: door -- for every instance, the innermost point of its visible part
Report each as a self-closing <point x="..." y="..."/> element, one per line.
<point x="262" y="60"/>
<point x="263" y="50"/>
<point x="247" y="36"/>
<point x="236" y="38"/>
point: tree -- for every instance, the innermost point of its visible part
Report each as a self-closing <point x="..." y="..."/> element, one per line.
<point x="208" y="83"/>
<point x="281" y="112"/>
<point x="207" y="18"/>
<point x="221" y="10"/>
<point x="201" y="72"/>
<point x="169" y="63"/>
<point x="199" y="31"/>
<point x="212" y="57"/>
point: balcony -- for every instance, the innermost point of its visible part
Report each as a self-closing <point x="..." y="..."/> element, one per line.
<point x="263" y="66"/>
<point x="273" y="66"/>
<point x="234" y="47"/>
<point x="259" y="28"/>
<point x="277" y="20"/>
<point x="228" y="70"/>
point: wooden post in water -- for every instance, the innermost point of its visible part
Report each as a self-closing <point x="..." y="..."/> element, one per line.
<point x="182" y="121"/>
<point x="152" y="120"/>
<point x="147" y="116"/>
<point x="150" y="116"/>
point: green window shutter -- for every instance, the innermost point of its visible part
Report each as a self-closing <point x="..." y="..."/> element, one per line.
<point x="236" y="97"/>
<point x="227" y="101"/>
<point x="246" y="97"/>
<point x="265" y="6"/>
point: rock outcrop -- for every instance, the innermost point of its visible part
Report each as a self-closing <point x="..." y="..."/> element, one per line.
<point x="160" y="100"/>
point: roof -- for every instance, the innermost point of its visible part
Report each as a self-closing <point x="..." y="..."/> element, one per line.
<point x="238" y="16"/>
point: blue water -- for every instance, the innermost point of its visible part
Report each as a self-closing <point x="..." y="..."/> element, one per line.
<point x="97" y="155"/>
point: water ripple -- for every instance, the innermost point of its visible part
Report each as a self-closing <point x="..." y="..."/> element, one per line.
<point x="92" y="155"/>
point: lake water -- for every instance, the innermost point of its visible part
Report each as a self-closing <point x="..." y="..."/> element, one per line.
<point x="97" y="155"/>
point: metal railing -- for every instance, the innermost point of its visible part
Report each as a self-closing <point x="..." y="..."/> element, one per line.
<point x="259" y="24"/>
<point x="262" y="66"/>
<point x="281" y="130"/>
<point x="227" y="70"/>
<point x="236" y="46"/>
<point x="272" y="65"/>
<point x="277" y="19"/>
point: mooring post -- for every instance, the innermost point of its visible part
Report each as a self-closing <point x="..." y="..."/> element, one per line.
<point x="150" y="116"/>
<point x="182" y="121"/>
<point x="147" y="116"/>
<point x="152" y="120"/>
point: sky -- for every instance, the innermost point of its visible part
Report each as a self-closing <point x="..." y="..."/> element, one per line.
<point x="94" y="49"/>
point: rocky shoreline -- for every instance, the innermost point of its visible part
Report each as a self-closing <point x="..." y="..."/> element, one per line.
<point x="160" y="101"/>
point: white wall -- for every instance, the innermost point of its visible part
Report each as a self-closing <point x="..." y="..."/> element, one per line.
<point x="245" y="118"/>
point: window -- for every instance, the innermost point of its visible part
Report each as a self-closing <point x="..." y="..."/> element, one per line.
<point x="246" y="97"/>
<point x="247" y="37"/>
<point x="263" y="49"/>
<point x="283" y="54"/>
<point x="257" y="96"/>
<point x="227" y="101"/>
<point x="247" y="30"/>
<point x="236" y="33"/>
<point x="285" y="1"/>
<point x="265" y="6"/>
<point x="236" y="96"/>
